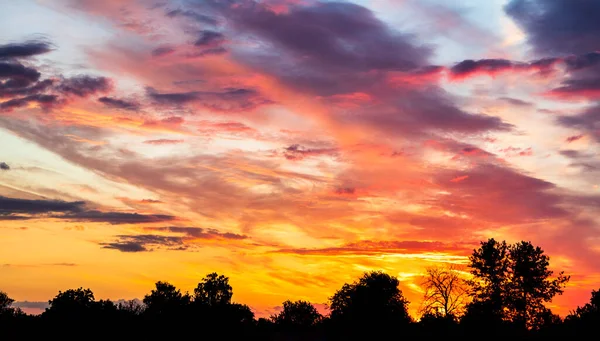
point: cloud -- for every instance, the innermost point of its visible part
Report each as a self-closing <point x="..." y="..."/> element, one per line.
<point x="199" y="232"/>
<point x="588" y="121"/>
<point x="516" y="102"/>
<point x="24" y="49"/>
<point x="230" y="99"/>
<point x="163" y="141"/>
<point x="368" y="247"/>
<point x="9" y="206"/>
<point x="117" y="217"/>
<point x="4" y="166"/>
<point x="192" y="15"/>
<point x="209" y="39"/>
<point x="185" y="239"/>
<point x="523" y="198"/>
<point x="583" y="61"/>
<point x="574" y="138"/>
<point x="145" y="242"/>
<point x="162" y="51"/>
<point x="150" y="201"/>
<point x="492" y="67"/>
<point x="17" y="75"/>
<point x="22" y="209"/>
<point x="46" y="101"/>
<point x="225" y="127"/>
<point x="84" y="85"/>
<point x="577" y="88"/>
<point x="298" y="152"/>
<point x="119" y="103"/>
<point x="558" y="26"/>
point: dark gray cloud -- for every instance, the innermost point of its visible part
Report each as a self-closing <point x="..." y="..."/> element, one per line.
<point x="84" y="85"/>
<point x="198" y="232"/>
<point x="209" y="38"/>
<point x="516" y="102"/>
<point x="333" y="34"/>
<point x="558" y="26"/>
<point x="150" y="242"/>
<point x="23" y="209"/>
<point x="46" y="101"/>
<point x="119" y="103"/>
<point x="24" y="49"/>
<point x="588" y="121"/>
<point x="14" y="87"/>
<point x="9" y="206"/>
<point x="578" y="87"/>
<point x="117" y="217"/>
<point x="16" y="75"/>
<point x="4" y="166"/>
<point x="145" y="242"/>
<point x="162" y="51"/>
<point x="230" y="99"/>
<point x="298" y="152"/>
<point x="469" y="67"/>
<point x="582" y="61"/>
<point x="203" y="18"/>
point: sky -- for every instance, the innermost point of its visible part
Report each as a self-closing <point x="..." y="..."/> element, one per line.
<point x="293" y="144"/>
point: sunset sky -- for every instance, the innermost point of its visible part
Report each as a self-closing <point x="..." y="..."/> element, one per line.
<point x="293" y="144"/>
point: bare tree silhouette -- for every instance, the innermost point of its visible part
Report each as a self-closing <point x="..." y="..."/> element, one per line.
<point x="446" y="291"/>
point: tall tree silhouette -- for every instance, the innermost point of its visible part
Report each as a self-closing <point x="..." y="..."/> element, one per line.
<point x="213" y="290"/>
<point x="446" y="292"/>
<point x="512" y="283"/>
<point x="489" y="266"/>
<point x="531" y="285"/>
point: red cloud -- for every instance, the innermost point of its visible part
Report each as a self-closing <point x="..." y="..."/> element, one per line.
<point x="460" y="178"/>
<point x="574" y="138"/>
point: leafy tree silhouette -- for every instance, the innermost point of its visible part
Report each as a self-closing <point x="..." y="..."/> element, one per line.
<point x="531" y="285"/>
<point x="213" y="290"/>
<point x="585" y="319"/>
<point x="299" y="315"/>
<point x="373" y="304"/>
<point x="72" y="304"/>
<point x="165" y="299"/>
<point x="5" y="302"/>
<point x="511" y="283"/>
<point x="489" y="266"/>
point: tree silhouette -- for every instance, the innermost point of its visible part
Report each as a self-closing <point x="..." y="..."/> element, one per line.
<point x="133" y="307"/>
<point x="489" y="266"/>
<point x="530" y="285"/>
<point x="508" y="291"/>
<point x="446" y="292"/>
<point x="299" y="314"/>
<point x="164" y="299"/>
<point x="587" y="317"/>
<point x="5" y="302"/>
<point x="512" y="283"/>
<point x="72" y="303"/>
<point x="213" y="290"/>
<point x="373" y="304"/>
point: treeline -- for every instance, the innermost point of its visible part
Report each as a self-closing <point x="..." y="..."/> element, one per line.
<point x="503" y="296"/>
